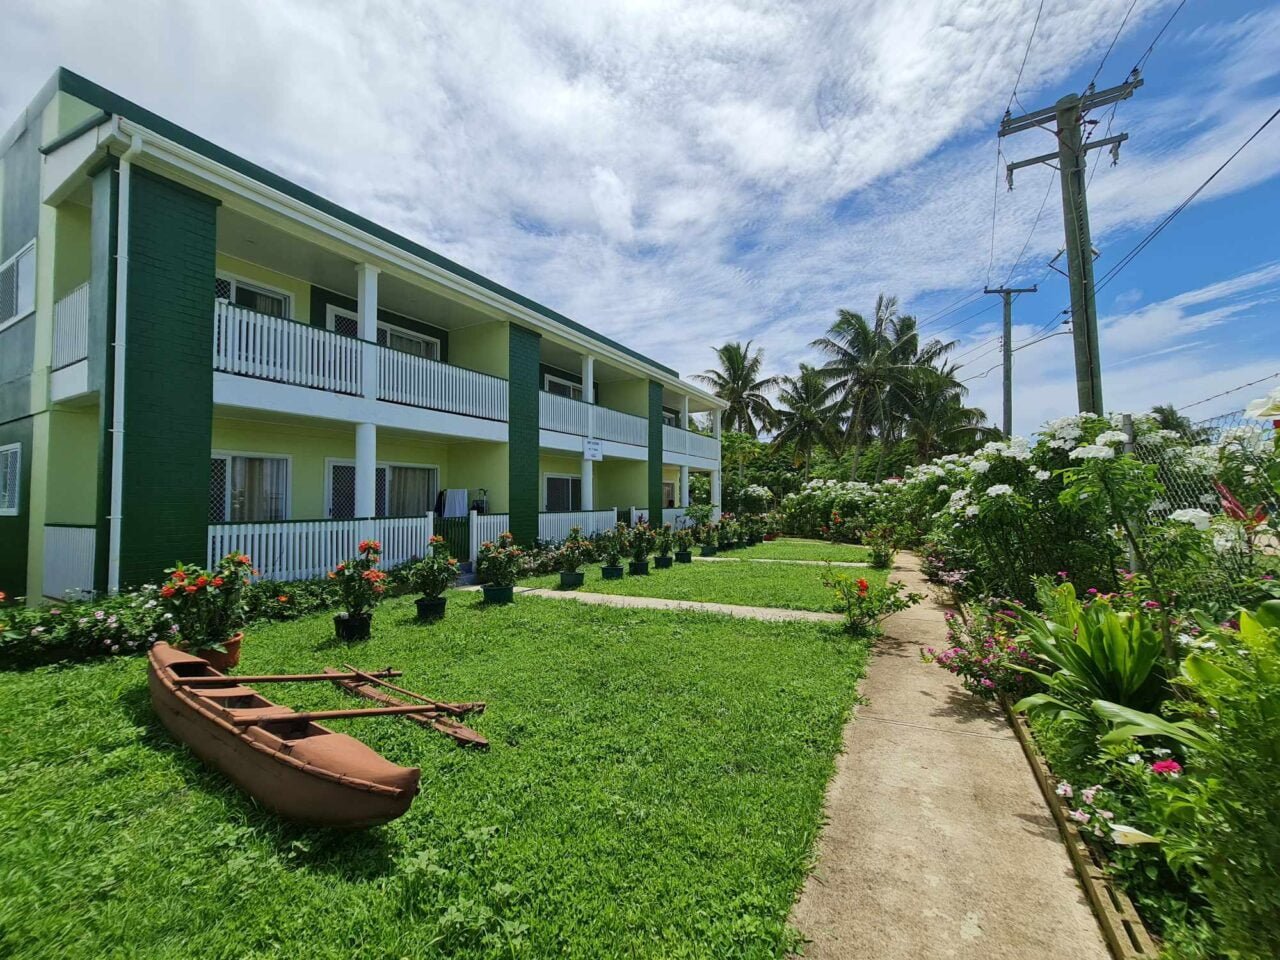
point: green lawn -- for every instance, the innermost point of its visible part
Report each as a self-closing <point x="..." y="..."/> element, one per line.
<point x="797" y="587"/>
<point x="787" y="549"/>
<point x="653" y="790"/>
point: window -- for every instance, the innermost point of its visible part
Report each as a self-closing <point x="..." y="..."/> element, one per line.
<point x="18" y="284"/>
<point x="397" y="338"/>
<point x="562" y="493"/>
<point x="10" y="478"/>
<point x="399" y="490"/>
<point x="253" y="297"/>
<point x="561" y="387"/>
<point x="670" y="417"/>
<point x="248" y="488"/>
<point x="668" y="493"/>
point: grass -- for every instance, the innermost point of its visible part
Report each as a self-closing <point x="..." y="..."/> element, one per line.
<point x="791" y="549"/>
<point x="653" y="790"/>
<point x="796" y="587"/>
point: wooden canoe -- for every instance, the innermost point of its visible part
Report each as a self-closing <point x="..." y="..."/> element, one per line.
<point x="288" y="763"/>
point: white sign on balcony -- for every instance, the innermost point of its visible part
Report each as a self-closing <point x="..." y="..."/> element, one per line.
<point x="592" y="449"/>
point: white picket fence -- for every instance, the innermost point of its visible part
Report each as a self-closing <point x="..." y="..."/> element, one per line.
<point x="676" y="517"/>
<point x="564" y="414"/>
<point x="622" y="427"/>
<point x="272" y="348"/>
<point x="68" y="562"/>
<point x="71" y="328"/>
<point x="555" y="527"/>
<point x="306" y="549"/>
<point x="418" y="382"/>
<point x="487" y="527"/>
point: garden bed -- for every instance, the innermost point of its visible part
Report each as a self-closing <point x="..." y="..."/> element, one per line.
<point x="655" y="783"/>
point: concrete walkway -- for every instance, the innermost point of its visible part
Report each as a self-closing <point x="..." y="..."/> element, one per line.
<point x="659" y="603"/>
<point x="938" y="843"/>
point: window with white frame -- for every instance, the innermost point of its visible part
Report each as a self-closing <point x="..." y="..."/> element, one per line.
<point x="248" y="488"/>
<point x="670" y="417"/>
<point x="10" y="479"/>
<point x="400" y="490"/>
<point x="561" y="493"/>
<point x="252" y="296"/>
<point x="397" y="338"/>
<point x="561" y="387"/>
<point x="668" y="493"/>
<point x="18" y="285"/>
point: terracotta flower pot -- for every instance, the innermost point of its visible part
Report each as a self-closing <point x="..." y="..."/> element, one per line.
<point x="495" y="594"/>
<point x="430" y="608"/>
<point x="571" y="579"/>
<point x="611" y="572"/>
<point x="351" y="627"/>
<point x="684" y="556"/>
<point x="662" y="563"/>
<point x="224" y="661"/>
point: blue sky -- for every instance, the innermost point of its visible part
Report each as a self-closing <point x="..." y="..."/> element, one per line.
<point x="678" y="174"/>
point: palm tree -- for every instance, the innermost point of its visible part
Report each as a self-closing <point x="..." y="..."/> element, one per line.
<point x="939" y="422"/>
<point x="1168" y="417"/>
<point x="738" y="383"/>
<point x="806" y="415"/>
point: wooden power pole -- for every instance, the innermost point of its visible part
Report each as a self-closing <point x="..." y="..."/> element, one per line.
<point x="1006" y="349"/>
<point x="1067" y="115"/>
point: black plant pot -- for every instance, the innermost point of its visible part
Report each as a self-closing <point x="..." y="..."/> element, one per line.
<point x="662" y="563"/>
<point x="684" y="556"/>
<point x="611" y="573"/>
<point x="708" y="551"/>
<point x="638" y="568"/>
<point x="430" y="608"/>
<point x="349" y="627"/>
<point x="494" y="594"/>
<point x="571" y="579"/>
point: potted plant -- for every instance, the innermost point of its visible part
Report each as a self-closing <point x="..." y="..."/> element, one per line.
<point x="571" y="555"/>
<point x="432" y="576"/>
<point x="611" y="547"/>
<point x="206" y="607"/>
<point x="641" y="546"/>
<point x="360" y="588"/>
<point x="663" y="540"/>
<point x="710" y="538"/>
<point x="684" y="545"/>
<point x="769" y="524"/>
<point x="498" y="566"/>
<point x="728" y="536"/>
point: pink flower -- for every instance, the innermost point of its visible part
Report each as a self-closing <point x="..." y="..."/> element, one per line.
<point x="1167" y="767"/>
<point x="1088" y="793"/>
<point x="1079" y="816"/>
<point x="987" y="683"/>
<point x="1064" y="790"/>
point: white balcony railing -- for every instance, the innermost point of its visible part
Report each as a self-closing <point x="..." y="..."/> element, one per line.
<point x="404" y="378"/>
<point x="622" y="427"/>
<point x="306" y="549"/>
<point x="564" y="414"/>
<point x="68" y="561"/>
<point x="675" y="440"/>
<point x="555" y="527"/>
<point x="271" y="348"/>
<point x="71" y="328"/>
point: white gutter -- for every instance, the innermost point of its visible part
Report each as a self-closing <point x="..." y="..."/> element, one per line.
<point x="117" y="387"/>
<point x="199" y="168"/>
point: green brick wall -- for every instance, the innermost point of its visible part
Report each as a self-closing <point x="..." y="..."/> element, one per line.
<point x="168" y="377"/>
<point x="655" y="453"/>
<point x="523" y="433"/>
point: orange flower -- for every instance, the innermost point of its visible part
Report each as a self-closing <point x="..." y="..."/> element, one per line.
<point x="282" y="599"/>
<point x="191" y="588"/>
<point x="201" y="581"/>
<point x="167" y="591"/>
<point x="332" y="575"/>
<point x="218" y="581"/>
<point x="179" y="576"/>
<point x="3" y="596"/>
<point x="244" y="558"/>
<point x="863" y="587"/>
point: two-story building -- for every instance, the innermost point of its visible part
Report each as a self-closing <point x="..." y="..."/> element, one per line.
<point x="197" y="355"/>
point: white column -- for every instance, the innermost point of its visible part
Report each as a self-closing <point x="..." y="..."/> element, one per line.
<point x="366" y="469"/>
<point x="715" y="488"/>
<point x="684" y="487"/>
<point x="367" y="318"/>
<point x="588" y="484"/>
<point x="715" y="423"/>
<point x="589" y="378"/>
<point x="684" y="413"/>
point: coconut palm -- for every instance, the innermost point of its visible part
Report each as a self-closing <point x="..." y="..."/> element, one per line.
<point x="739" y="384"/>
<point x="806" y="415"/>
<point x="939" y="422"/>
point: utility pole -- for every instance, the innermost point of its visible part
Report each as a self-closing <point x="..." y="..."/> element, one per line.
<point x="1006" y="294"/>
<point x="1069" y="158"/>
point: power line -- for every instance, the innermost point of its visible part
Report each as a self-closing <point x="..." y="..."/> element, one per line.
<point x="1142" y="60"/>
<point x="1102" y="63"/>
<point x="1024" y="346"/>
<point x="1013" y="95"/>
<point x="1032" y="232"/>
<point x="1142" y="244"/>
<point x="957" y="304"/>
<point x="1251" y="383"/>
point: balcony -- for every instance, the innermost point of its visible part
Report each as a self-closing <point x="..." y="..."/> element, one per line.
<point x="566" y="415"/>
<point x="283" y="351"/>
<point x="676" y="440"/>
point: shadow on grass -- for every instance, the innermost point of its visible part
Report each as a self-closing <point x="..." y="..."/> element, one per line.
<point x="352" y="855"/>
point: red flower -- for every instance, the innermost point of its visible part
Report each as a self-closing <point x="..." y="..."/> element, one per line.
<point x="191" y="588"/>
<point x="1167" y="767"/>
<point x="179" y="576"/>
<point x="282" y="599"/>
<point x="218" y="581"/>
<point x="340" y="567"/>
<point x="201" y="581"/>
<point x="244" y="558"/>
<point x="863" y="587"/>
<point x="167" y="591"/>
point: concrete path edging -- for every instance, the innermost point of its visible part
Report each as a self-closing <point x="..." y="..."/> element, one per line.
<point x="697" y="606"/>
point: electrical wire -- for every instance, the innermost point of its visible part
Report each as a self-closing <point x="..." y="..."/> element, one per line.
<point x="1103" y="62"/>
<point x="1251" y="383"/>
<point x="1142" y="60"/>
<point x="1013" y="96"/>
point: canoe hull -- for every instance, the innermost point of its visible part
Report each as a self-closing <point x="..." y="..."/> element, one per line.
<point x="259" y="762"/>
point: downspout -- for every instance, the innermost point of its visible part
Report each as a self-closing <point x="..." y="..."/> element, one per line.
<point x="118" y="367"/>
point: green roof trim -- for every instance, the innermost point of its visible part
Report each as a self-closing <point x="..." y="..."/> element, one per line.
<point x="68" y="82"/>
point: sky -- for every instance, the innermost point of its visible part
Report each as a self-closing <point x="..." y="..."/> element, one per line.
<point x="682" y="174"/>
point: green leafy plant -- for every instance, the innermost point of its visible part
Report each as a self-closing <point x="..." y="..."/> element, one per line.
<point x="663" y="540"/>
<point x="864" y="606"/>
<point x="881" y="540"/>
<point x="499" y="561"/>
<point x="640" y="542"/>
<point x="435" y="573"/>
<point x="612" y="544"/>
<point x="360" y="583"/>
<point x="205" y="605"/>
<point x="573" y="553"/>
<point x="684" y="540"/>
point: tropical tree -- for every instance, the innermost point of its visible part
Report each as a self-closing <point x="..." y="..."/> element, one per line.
<point x="738" y="382"/>
<point x="1169" y="418"/>
<point x="806" y="416"/>
<point x="939" y="422"/>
